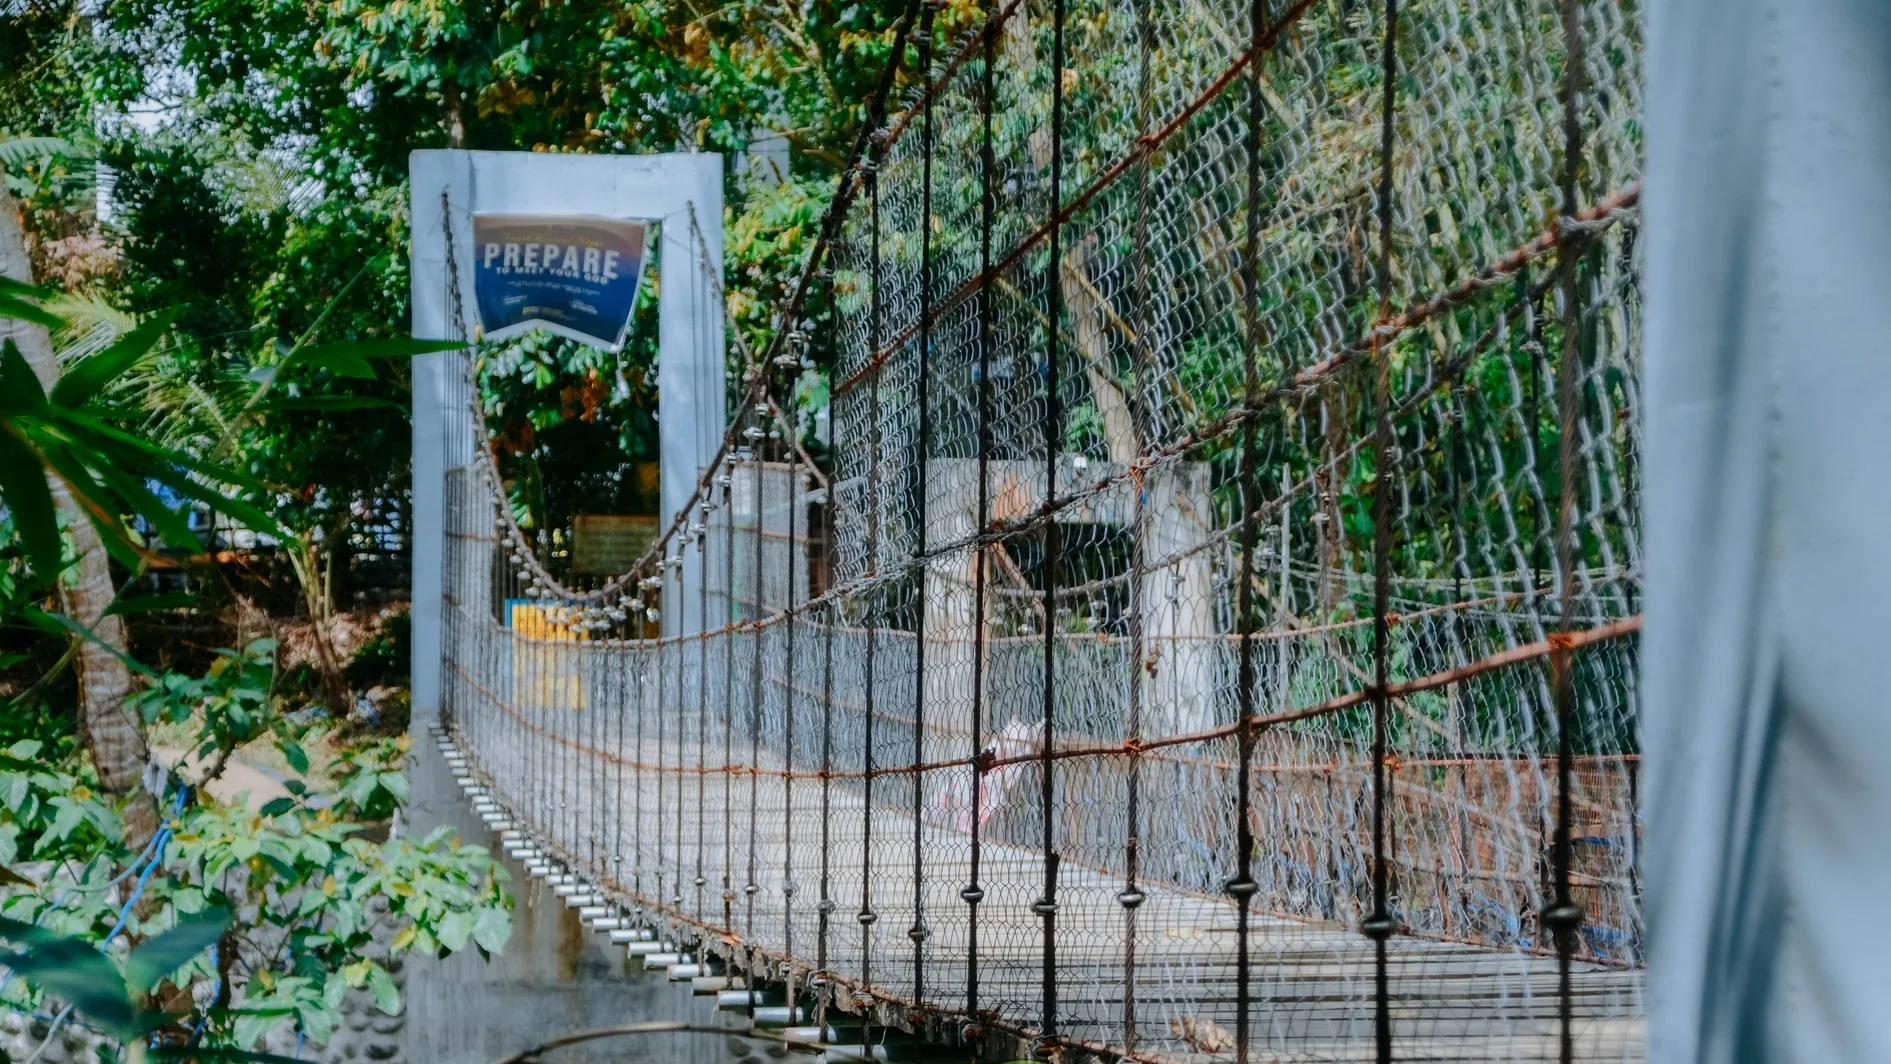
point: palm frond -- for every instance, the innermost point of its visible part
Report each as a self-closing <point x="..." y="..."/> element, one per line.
<point x="23" y="151"/>
<point x="90" y="324"/>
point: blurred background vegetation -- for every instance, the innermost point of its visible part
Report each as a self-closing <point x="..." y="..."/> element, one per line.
<point x="204" y="697"/>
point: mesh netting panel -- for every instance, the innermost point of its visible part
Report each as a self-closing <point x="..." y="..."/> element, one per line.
<point x="1210" y="633"/>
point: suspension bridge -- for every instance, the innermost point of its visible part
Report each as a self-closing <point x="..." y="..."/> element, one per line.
<point x="1210" y="632"/>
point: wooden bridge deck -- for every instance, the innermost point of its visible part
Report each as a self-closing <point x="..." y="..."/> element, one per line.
<point x="683" y="836"/>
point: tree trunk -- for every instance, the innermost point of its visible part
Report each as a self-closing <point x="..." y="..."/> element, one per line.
<point x="112" y="735"/>
<point x="317" y="599"/>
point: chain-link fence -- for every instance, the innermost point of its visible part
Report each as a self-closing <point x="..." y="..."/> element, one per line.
<point x="1212" y="636"/>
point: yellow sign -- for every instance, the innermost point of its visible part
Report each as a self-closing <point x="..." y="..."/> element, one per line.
<point x="545" y="675"/>
<point x="609" y="543"/>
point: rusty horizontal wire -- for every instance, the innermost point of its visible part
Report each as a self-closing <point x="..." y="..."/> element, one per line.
<point x="1528" y="652"/>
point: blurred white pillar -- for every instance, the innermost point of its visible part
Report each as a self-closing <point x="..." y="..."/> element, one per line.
<point x="1768" y="510"/>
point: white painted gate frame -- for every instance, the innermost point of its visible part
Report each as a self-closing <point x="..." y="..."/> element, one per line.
<point x="690" y="396"/>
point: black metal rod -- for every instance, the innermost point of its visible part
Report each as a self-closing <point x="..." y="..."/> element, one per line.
<point x="1242" y="887"/>
<point x="749" y="888"/>
<point x="973" y="893"/>
<point x="1131" y="897"/>
<point x="825" y="907"/>
<point x="1564" y="917"/>
<point x="702" y="705"/>
<point x="728" y="697"/>
<point x="1380" y="925"/>
<point x="791" y="571"/>
<point x="866" y="916"/>
<point x="918" y="933"/>
<point x="1053" y="433"/>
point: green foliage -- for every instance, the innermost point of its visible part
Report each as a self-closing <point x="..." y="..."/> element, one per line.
<point x="47" y="814"/>
<point x="323" y="906"/>
<point x="370" y="783"/>
<point x="385" y="657"/>
<point x="322" y="896"/>
<point x="230" y="703"/>
<point x="106" y="469"/>
<point x="105" y="993"/>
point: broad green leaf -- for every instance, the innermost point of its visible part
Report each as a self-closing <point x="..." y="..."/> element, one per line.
<point x="20" y="390"/>
<point x="58" y="623"/>
<point x="99" y="504"/>
<point x="67" y="814"/>
<point x="293" y="753"/>
<point x="21" y="301"/>
<point x="387" y="996"/>
<point x="254" y="1021"/>
<point x="327" y="403"/>
<point x="318" y="1019"/>
<point x="455" y="930"/>
<point x="492" y="929"/>
<point x="76" y="386"/>
<point x="395" y="783"/>
<point x="24" y="311"/>
<point x="158" y="957"/>
<point x="76" y="972"/>
<point x="172" y="525"/>
<point x="342" y="364"/>
<point x="277" y="806"/>
<point x="23" y="489"/>
<point x="387" y="347"/>
<point x="99" y="433"/>
<point x="208" y="1053"/>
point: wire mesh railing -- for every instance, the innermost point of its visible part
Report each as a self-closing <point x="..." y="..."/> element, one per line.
<point x="1212" y="633"/>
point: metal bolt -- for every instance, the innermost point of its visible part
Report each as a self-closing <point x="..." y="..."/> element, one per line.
<point x="1378" y="926"/>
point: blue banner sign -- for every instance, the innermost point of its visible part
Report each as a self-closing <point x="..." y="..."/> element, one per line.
<point x="573" y="274"/>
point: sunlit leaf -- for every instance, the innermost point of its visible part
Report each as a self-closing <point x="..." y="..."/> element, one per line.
<point x="160" y="956"/>
<point x="90" y="376"/>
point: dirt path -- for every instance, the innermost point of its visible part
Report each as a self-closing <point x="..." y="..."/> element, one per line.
<point x="239" y="777"/>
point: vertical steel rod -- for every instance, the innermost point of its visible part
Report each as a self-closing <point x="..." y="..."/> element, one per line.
<point x="1131" y="896"/>
<point x="1381" y="924"/>
<point x="866" y="916"/>
<point x="1053" y="431"/>
<point x="973" y="892"/>
<point x="918" y="932"/>
<point x="1564" y="917"/>
<point x="1242" y="886"/>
